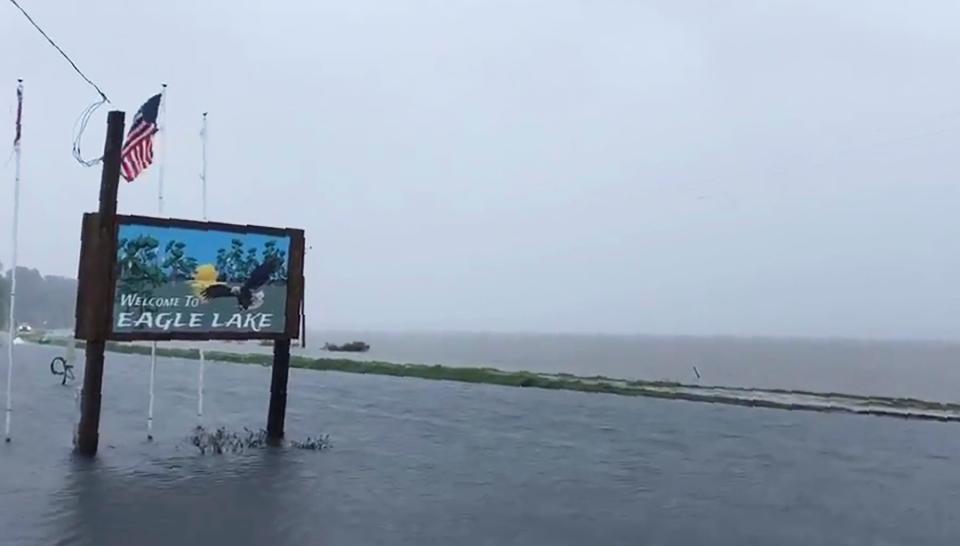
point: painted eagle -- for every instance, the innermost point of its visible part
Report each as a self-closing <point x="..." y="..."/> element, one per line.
<point x="248" y="295"/>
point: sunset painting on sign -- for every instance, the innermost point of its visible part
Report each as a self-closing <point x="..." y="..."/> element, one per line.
<point x="174" y="279"/>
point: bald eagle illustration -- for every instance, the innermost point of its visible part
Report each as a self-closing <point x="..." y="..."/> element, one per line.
<point x="248" y="295"/>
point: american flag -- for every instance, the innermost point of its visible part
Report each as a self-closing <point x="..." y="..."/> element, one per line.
<point x="137" y="152"/>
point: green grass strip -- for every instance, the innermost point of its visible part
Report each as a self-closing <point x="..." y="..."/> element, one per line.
<point x="883" y="406"/>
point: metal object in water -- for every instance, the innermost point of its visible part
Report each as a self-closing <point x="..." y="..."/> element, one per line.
<point x="65" y="369"/>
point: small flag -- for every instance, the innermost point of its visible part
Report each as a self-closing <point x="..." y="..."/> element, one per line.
<point x="137" y="152"/>
<point x="16" y="138"/>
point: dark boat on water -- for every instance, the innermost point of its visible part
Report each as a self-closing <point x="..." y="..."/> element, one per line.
<point x="352" y="347"/>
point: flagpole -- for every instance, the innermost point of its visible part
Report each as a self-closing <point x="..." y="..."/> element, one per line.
<point x="162" y="138"/>
<point x="203" y="167"/>
<point x="203" y="182"/>
<point x="13" y="264"/>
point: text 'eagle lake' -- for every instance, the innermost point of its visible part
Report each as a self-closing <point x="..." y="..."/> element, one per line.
<point x="254" y="322"/>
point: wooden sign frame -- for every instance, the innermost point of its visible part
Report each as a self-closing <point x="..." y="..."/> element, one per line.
<point x="97" y="280"/>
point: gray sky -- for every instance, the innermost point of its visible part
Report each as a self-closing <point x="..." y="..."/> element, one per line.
<point x="682" y="167"/>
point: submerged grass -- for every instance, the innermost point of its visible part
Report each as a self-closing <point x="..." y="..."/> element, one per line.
<point x="740" y="396"/>
<point x="222" y="440"/>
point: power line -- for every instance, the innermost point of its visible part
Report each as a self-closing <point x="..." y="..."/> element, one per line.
<point x="81" y="124"/>
<point x="65" y="56"/>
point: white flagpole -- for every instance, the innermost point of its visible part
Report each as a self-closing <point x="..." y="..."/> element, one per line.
<point x="162" y="138"/>
<point x="203" y="181"/>
<point x="13" y="265"/>
<point x="203" y="168"/>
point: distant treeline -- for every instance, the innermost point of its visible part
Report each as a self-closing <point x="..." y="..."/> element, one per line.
<point x="42" y="302"/>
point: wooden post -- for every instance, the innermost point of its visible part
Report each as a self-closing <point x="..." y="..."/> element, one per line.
<point x="95" y="299"/>
<point x="278" y="390"/>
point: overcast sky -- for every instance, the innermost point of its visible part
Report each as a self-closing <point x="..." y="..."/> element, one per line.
<point x="664" y="166"/>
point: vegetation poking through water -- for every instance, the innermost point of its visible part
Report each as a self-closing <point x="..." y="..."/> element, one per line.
<point x="222" y="441"/>
<point x="741" y="396"/>
<point x="313" y="444"/>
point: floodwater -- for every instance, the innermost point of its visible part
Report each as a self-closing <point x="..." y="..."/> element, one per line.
<point x="926" y="370"/>
<point x="426" y="462"/>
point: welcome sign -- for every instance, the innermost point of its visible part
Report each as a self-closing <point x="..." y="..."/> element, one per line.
<point x="178" y="279"/>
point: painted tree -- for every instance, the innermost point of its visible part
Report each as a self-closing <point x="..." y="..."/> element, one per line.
<point x="236" y="263"/>
<point x="176" y="264"/>
<point x="139" y="268"/>
<point x="270" y="250"/>
<point x="232" y="262"/>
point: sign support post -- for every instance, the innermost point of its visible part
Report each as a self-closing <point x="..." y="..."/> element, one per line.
<point x="218" y="281"/>
<point x="278" y="390"/>
<point x="95" y="301"/>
